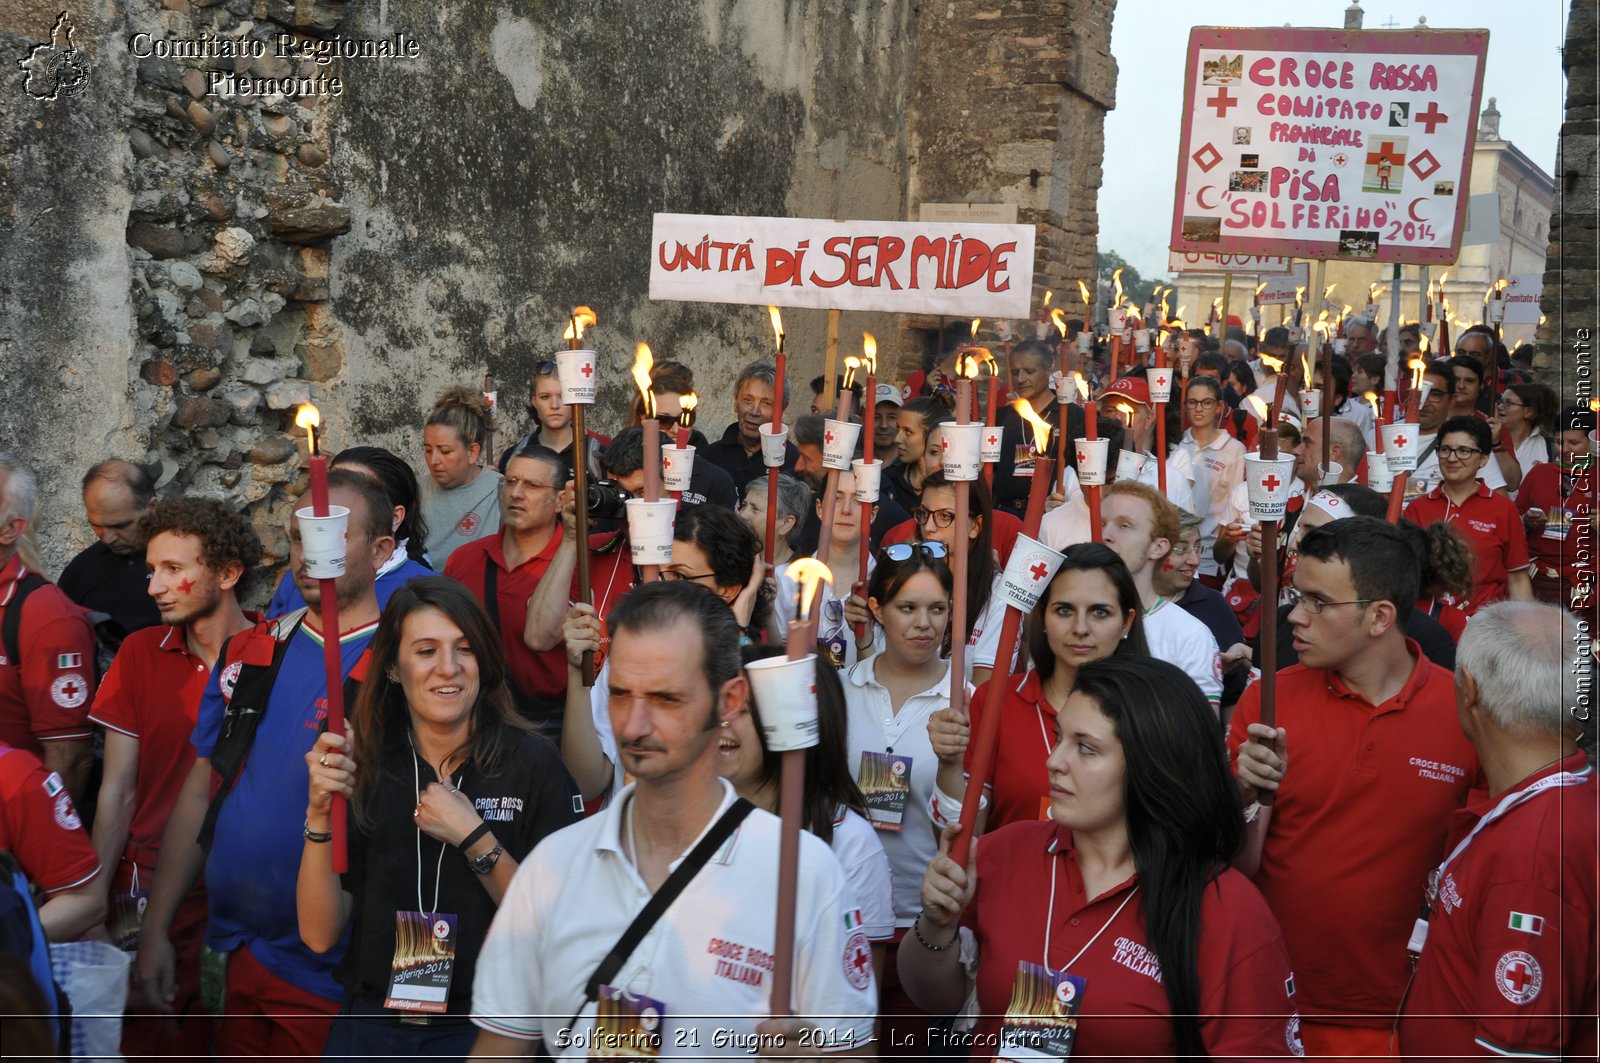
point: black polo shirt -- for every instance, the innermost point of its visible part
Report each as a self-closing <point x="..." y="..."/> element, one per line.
<point x="728" y="454"/>
<point x="104" y="582"/>
<point x="532" y="797"/>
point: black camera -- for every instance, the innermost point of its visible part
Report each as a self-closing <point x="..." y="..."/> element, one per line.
<point x="605" y="499"/>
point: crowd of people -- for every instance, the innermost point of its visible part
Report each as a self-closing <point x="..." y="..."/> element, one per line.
<point x="1164" y="863"/>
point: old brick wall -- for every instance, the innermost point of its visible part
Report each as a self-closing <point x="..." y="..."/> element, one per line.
<point x="1571" y="281"/>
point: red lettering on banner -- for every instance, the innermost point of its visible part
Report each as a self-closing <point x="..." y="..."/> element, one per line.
<point x="836" y="247"/>
<point x="1413" y="78"/>
<point x="923" y="247"/>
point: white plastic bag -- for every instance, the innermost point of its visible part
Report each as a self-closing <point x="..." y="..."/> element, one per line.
<point x="94" y="975"/>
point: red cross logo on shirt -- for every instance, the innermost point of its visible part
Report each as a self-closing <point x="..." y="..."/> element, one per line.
<point x="1222" y="102"/>
<point x="1518" y="976"/>
<point x="1431" y="117"/>
<point x="1039" y="569"/>
<point x="586" y="369"/>
<point x="71" y="690"/>
<point x="1271" y="482"/>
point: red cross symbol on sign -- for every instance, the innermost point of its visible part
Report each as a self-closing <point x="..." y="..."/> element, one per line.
<point x="1431" y="117"/>
<point x="1039" y="568"/>
<point x="1271" y="482"/>
<point x="1222" y="102"/>
<point x="1386" y="151"/>
<point x="586" y="369"/>
<point x="828" y="438"/>
<point x="1518" y="976"/>
<point x="1399" y="441"/>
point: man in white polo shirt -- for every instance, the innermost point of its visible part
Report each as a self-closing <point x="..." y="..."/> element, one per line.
<point x="700" y="979"/>
<point x="1141" y="526"/>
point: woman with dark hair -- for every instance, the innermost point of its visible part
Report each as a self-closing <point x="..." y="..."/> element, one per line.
<point x="1558" y="505"/>
<point x="1123" y="911"/>
<point x="935" y="522"/>
<point x="1528" y="412"/>
<point x="1090" y="611"/>
<point x="462" y="503"/>
<point x="913" y="442"/>
<point x="448" y="790"/>
<point x="399" y="484"/>
<point x="552" y="423"/>
<point x="834" y="808"/>
<point x="1445" y="563"/>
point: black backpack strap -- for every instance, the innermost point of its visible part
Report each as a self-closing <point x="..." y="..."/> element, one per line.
<point x="720" y="831"/>
<point x="11" y="626"/>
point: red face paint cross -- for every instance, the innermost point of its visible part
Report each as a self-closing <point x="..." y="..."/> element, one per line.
<point x="185" y="585"/>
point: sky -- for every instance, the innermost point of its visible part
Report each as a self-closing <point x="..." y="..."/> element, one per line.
<point x="1523" y="72"/>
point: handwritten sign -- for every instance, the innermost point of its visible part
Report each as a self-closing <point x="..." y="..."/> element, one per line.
<point x="1214" y="262"/>
<point x="1328" y="144"/>
<point x="959" y="270"/>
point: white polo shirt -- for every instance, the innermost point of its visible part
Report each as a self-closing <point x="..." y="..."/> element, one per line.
<point x="874" y="727"/>
<point x="866" y="869"/>
<point x="707" y="960"/>
<point x="1177" y="637"/>
<point x="1218" y="468"/>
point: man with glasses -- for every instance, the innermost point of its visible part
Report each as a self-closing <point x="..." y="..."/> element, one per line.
<point x="1489" y="521"/>
<point x="504" y="569"/>
<point x="1216" y="460"/>
<point x="1359" y="334"/>
<point x="1367" y="765"/>
<point x="1173" y="577"/>
<point x="1439" y="378"/>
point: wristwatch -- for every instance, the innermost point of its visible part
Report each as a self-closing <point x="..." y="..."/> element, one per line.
<point x="485" y="863"/>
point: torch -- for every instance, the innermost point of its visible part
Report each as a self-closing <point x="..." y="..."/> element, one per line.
<point x="1160" y="380"/>
<point x="830" y="498"/>
<point x="678" y="466"/>
<point x="869" y="358"/>
<point x="961" y="474"/>
<point x="971" y="412"/>
<point x="327" y="583"/>
<point x="1444" y="320"/>
<point x="990" y="404"/>
<point x="1402" y="456"/>
<point x="643" y="361"/>
<point x="1269" y="519"/>
<point x="1091" y="433"/>
<point x="577" y="381"/>
<point x="778" y="434"/>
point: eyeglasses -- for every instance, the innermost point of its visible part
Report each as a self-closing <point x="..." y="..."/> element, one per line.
<point x="941" y="518"/>
<point x="1200" y="404"/>
<point x="1185" y="549"/>
<point x="1315" y="606"/>
<point x="1458" y="453"/>
<point x="904" y="551"/>
<point x="512" y="486"/>
<point x="545" y="368"/>
<point x="673" y="576"/>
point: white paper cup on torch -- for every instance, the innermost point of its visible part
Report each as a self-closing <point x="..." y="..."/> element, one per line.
<point x="1092" y="456"/>
<point x="1029" y="571"/>
<point x="989" y="445"/>
<point x="576" y="371"/>
<point x="1340" y="346"/>
<point x="869" y="477"/>
<point x="322" y="541"/>
<point x="1379" y="476"/>
<point x="1116" y="319"/>
<point x="677" y="467"/>
<point x="1141" y="340"/>
<point x="1129" y="465"/>
<point x="1311" y="403"/>
<point x="1400" y="446"/>
<point x="774" y="446"/>
<point x="1331" y="472"/>
<point x="785" y="694"/>
<point x="839" y="444"/>
<point x="1085" y="341"/>
<point x="650" y="530"/>
<point x="1160" y="381"/>
<point x="962" y="445"/>
<point x="1064" y="386"/>
<point x="1268" y="482"/>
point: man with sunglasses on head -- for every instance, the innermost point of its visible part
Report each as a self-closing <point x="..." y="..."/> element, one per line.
<point x="1489" y="520"/>
<point x="1367" y="765"/>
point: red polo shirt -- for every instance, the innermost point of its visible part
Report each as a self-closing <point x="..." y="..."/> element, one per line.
<point x="45" y="697"/>
<point x="538" y="675"/>
<point x="1359" y="821"/>
<point x="1491" y="523"/>
<point x="1027" y="734"/>
<point x="39" y="824"/>
<point x="1245" y="981"/>
<point x="152" y="693"/>
<point x="1509" y="965"/>
<point x="1563" y="557"/>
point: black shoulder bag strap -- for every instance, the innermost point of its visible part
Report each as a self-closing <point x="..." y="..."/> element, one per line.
<point x="1428" y="452"/>
<point x="725" y="825"/>
<point x="491" y="592"/>
<point x="11" y="626"/>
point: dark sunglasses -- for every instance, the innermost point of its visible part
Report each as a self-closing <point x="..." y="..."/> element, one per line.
<point x="545" y="368"/>
<point x="904" y="551"/>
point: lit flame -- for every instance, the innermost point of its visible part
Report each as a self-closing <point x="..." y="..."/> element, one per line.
<point x="1305" y="362"/>
<point x="1048" y="294"/>
<point x="686" y="406"/>
<point x="1083" y="290"/>
<point x="994" y="366"/>
<point x="1116" y="280"/>
<point x="1326" y="292"/>
<point x="850" y="366"/>
<point x="1179" y="315"/>
<point x="1081" y="382"/>
<point x="643" y="361"/>
<point x="1346" y="311"/>
<point x="1416" y="365"/>
<point x="1274" y="364"/>
<point x="307" y="417"/>
<point x="1216" y="307"/>
<point x="1261" y="288"/>
<point x="777" y="325"/>
<point x="1164" y="303"/>
<point x="1372" y="400"/>
<point x="580" y="318"/>
<point x="1059" y="320"/>
<point x="1136" y="319"/>
<point x="1259" y="404"/>
<point x="808" y="574"/>
<point x="1041" y="427"/>
<point x="869" y="351"/>
<point x="1127" y="413"/>
<point x="1300" y="296"/>
<point x="1372" y="292"/>
<point x="1594" y="404"/>
<point x="967" y="364"/>
<point x="1501" y="284"/>
<point x="975" y="323"/>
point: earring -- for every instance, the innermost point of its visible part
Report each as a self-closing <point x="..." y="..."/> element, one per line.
<point x="1124" y="636"/>
<point x="724" y="723"/>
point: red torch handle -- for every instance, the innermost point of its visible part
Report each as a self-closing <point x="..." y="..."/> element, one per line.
<point x="983" y="752"/>
<point x="333" y="667"/>
<point x="772" y="473"/>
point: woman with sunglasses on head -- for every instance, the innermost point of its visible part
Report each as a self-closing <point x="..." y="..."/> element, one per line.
<point x="1126" y="889"/>
<point x="834" y="808"/>
<point x="935" y="522"/>
<point x="552" y="423"/>
<point x="449" y="789"/>
<point x="1090" y="611"/>
<point x="890" y="697"/>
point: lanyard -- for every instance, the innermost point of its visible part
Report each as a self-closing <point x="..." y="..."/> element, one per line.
<point x="1050" y="911"/>
<point x="1507" y="803"/>
<point x="438" y="871"/>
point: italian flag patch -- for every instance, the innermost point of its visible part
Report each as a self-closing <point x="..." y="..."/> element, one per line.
<point x="1528" y="924"/>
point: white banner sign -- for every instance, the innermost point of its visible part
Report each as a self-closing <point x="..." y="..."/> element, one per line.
<point x="957" y="270"/>
<point x="1328" y="144"/>
<point x="1211" y="262"/>
<point x="1522" y="295"/>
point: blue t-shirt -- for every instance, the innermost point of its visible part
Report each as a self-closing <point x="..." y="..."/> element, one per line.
<point x="287" y="598"/>
<point x="255" y="852"/>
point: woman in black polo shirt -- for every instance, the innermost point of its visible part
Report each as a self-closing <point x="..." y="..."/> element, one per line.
<point x="448" y="790"/>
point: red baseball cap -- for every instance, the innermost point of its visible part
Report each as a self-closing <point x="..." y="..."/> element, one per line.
<point x="1132" y="388"/>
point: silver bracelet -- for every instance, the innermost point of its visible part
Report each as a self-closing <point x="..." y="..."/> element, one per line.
<point x="316" y="835"/>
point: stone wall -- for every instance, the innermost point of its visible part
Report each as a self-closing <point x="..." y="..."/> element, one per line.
<point x="1571" y="280"/>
